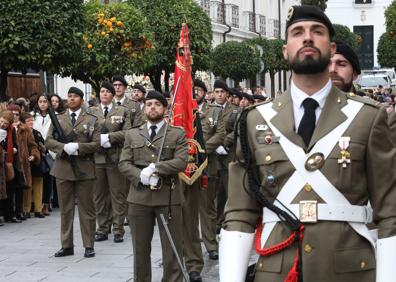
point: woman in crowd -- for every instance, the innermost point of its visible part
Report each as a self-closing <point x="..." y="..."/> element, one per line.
<point x="27" y="153"/>
<point x="11" y="163"/>
<point x="37" y="174"/>
<point x="41" y="123"/>
<point x="6" y="119"/>
<point x="57" y="103"/>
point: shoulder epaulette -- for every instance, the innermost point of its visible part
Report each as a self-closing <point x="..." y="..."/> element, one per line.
<point x="177" y="126"/>
<point x="91" y="114"/>
<point x="251" y="107"/>
<point x="365" y="100"/>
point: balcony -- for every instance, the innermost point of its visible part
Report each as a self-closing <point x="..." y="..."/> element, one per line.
<point x="217" y="12"/>
<point x="273" y="28"/>
<point x="232" y="15"/>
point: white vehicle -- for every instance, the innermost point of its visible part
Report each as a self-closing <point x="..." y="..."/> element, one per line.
<point x="389" y="71"/>
<point x="373" y="80"/>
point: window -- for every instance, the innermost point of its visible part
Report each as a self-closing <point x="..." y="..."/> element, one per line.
<point x="235" y="16"/>
<point x="262" y="26"/>
<point x="252" y="21"/>
<point x="365" y="50"/>
<point x="363" y="1"/>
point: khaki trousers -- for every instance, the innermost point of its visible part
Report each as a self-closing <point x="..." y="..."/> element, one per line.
<point x="191" y="240"/>
<point x="68" y="192"/>
<point x="110" y="200"/>
<point x="207" y="210"/>
<point x="141" y="220"/>
<point x="37" y="191"/>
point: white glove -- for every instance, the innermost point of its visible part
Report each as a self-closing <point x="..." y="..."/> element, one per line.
<point x="105" y="141"/>
<point x="153" y="180"/>
<point x="234" y="252"/>
<point x="71" y="149"/>
<point x="221" y="151"/>
<point x="146" y="173"/>
<point x="386" y="254"/>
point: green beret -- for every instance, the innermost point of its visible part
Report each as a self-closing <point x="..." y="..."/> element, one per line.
<point x="108" y="86"/>
<point x="139" y="87"/>
<point x="157" y="96"/>
<point x="121" y="79"/>
<point x="221" y="84"/>
<point x="308" y="13"/>
<point x="345" y="50"/>
<point x="76" y="91"/>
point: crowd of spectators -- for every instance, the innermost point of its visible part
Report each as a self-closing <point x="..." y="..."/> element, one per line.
<point x="26" y="187"/>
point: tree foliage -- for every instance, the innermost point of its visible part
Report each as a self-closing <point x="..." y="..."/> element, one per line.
<point x="165" y="19"/>
<point x="386" y="49"/>
<point x="38" y="34"/>
<point x="116" y="40"/>
<point x="272" y="57"/>
<point x="320" y="3"/>
<point x="343" y="33"/>
<point x="236" y="60"/>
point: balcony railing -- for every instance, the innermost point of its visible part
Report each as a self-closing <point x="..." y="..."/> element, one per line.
<point x="217" y="12"/>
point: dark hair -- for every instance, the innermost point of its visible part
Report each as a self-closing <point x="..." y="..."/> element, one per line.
<point x="14" y="107"/>
<point x="25" y="116"/>
<point x="61" y="107"/>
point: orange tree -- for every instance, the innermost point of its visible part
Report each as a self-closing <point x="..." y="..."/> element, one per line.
<point x="115" y="40"/>
<point x="38" y="34"/>
<point x="387" y="44"/>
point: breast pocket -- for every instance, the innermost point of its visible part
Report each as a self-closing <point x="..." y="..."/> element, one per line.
<point x="138" y="150"/>
<point x="168" y="151"/>
<point x="274" y="167"/>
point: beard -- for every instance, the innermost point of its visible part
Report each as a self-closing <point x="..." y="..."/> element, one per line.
<point x="154" y="117"/>
<point x="340" y="83"/>
<point x="310" y="65"/>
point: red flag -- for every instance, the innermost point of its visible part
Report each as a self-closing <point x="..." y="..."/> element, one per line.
<point x="184" y="107"/>
<point x="183" y="104"/>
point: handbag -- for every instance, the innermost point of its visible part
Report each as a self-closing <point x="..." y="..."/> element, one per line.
<point x="9" y="171"/>
<point x="46" y="163"/>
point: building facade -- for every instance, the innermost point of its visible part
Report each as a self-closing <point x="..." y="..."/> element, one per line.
<point x="364" y="17"/>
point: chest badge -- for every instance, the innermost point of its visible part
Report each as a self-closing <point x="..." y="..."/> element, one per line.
<point x="345" y="155"/>
<point x="314" y="162"/>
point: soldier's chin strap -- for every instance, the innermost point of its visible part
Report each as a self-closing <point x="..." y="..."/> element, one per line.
<point x="254" y="190"/>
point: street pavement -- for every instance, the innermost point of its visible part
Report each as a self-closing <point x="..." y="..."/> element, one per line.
<point x="27" y="255"/>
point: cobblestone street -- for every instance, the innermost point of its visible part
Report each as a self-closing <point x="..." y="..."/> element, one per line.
<point x="27" y="254"/>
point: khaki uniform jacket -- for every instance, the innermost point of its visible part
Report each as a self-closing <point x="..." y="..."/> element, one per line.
<point x="332" y="251"/>
<point x="116" y="121"/>
<point x="392" y="125"/>
<point x="139" y="152"/>
<point x="213" y="128"/>
<point x="87" y="130"/>
<point x="135" y="111"/>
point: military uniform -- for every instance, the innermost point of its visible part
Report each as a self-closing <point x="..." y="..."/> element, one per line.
<point x="136" y="114"/>
<point x="191" y="238"/>
<point x="146" y="205"/>
<point x="111" y="187"/>
<point x="332" y="250"/>
<point x="228" y="117"/>
<point x="71" y="186"/>
<point x="214" y="132"/>
<point x="392" y="125"/>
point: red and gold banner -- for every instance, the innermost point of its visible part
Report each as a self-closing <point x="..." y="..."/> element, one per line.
<point x="184" y="109"/>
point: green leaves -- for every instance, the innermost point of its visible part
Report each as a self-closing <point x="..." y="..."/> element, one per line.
<point x="236" y="60"/>
<point x="38" y="34"/>
<point x="387" y="44"/>
<point x="343" y="33"/>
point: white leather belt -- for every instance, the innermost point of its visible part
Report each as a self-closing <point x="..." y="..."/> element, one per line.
<point x="328" y="212"/>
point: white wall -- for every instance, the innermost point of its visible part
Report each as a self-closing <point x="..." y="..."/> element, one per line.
<point x="62" y="85"/>
<point x="346" y="12"/>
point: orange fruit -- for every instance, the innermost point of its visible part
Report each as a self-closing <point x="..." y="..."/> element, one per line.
<point x="120" y="24"/>
<point x="111" y="29"/>
<point x="100" y="15"/>
<point x="100" y="20"/>
<point x="109" y="24"/>
<point x="113" y="19"/>
<point x="103" y="33"/>
<point x="89" y="46"/>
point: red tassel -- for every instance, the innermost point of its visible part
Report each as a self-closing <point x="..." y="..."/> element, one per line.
<point x="292" y="276"/>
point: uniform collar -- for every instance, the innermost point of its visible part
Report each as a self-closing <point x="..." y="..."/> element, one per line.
<point x="298" y="96"/>
<point x="121" y="100"/>
<point x="159" y="125"/>
<point x="76" y="112"/>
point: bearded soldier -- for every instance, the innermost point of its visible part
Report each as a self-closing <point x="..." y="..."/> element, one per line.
<point x="307" y="165"/>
